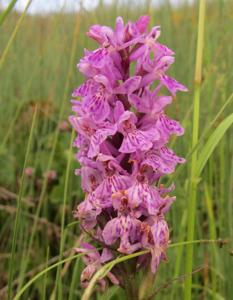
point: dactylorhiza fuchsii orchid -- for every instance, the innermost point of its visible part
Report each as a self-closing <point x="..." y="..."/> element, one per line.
<point x="122" y="136"/>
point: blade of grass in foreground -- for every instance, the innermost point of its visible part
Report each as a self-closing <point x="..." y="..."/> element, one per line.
<point x="43" y="272"/>
<point x="102" y="272"/>
<point x="74" y="280"/>
<point x="58" y="283"/>
<point x="201" y="139"/>
<point x="6" y="12"/>
<point x="212" y="142"/>
<point x="193" y="179"/>
<point x="179" y="252"/>
<point x="13" y="35"/>
<point x="18" y="211"/>
<point x="212" y="233"/>
<point x="45" y="276"/>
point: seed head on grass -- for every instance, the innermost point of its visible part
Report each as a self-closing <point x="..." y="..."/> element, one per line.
<point x="122" y="139"/>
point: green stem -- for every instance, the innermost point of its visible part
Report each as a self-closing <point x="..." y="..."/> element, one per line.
<point x="65" y="198"/>
<point x="193" y="178"/>
<point x="13" y="35"/>
<point x="6" y="12"/>
<point x="18" y="211"/>
<point x="213" y="235"/>
<point x="131" y="288"/>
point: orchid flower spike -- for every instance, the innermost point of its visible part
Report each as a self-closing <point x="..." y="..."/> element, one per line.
<point x="122" y="136"/>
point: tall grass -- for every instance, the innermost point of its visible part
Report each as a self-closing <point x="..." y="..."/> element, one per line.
<point x="18" y="211"/>
<point x="38" y="56"/>
<point x="6" y="12"/>
<point x="195" y="134"/>
<point x="16" y="29"/>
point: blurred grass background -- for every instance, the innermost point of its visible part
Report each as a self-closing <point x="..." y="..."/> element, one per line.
<point x="39" y="73"/>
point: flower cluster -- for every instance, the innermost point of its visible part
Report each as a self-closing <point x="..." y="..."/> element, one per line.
<point x="122" y="139"/>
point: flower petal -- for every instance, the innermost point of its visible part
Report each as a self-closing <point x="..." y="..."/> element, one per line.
<point x="97" y="106"/>
<point x="119" y="32"/>
<point x="118" y="110"/>
<point x="129" y="86"/>
<point x="112" y="231"/>
<point x="101" y="34"/>
<point x="169" y="126"/>
<point x="106" y="255"/>
<point x="99" y="137"/>
<point x="142" y="23"/>
<point x="139" y="140"/>
<point x="172" y="85"/>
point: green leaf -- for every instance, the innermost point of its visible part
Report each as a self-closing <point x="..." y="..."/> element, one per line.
<point x="6" y="12"/>
<point x="14" y="33"/>
<point x="212" y="143"/>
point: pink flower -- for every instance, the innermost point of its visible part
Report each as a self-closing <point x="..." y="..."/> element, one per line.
<point x="94" y="260"/>
<point x="51" y="175"/>
<point x="122" y="136"/>
<point x="29" y="172"/>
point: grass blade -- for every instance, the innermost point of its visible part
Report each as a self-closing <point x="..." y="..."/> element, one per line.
<point x="212" y="233"/>
<point x="212" y="143"/>
<point x="203" y="136"/>
<point x="13" y="35"/>
<point x="6" y="12"/>
<point x="18" y="211"/>
<point x="193" y="182"/>
<point x="45" y="277"/>
<point x="65" y="196"/>
<point x="74" y="280"/>
<point x="37" y="276"/>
